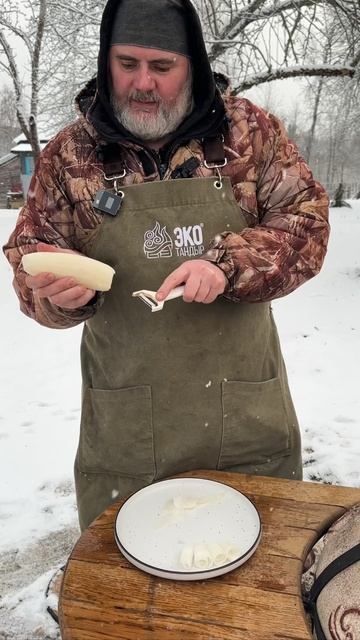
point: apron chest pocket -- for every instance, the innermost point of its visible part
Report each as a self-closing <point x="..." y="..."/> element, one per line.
<point x="116" y="433"/>
<point x="255" y="423"/>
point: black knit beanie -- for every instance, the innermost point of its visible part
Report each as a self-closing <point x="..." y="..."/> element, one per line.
<point x="154" y="24"/>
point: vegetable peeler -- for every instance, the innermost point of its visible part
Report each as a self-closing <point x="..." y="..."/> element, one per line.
<point x="149" y="297"/>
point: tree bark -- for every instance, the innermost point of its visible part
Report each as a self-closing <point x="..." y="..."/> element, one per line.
<point x="314" y="121"/>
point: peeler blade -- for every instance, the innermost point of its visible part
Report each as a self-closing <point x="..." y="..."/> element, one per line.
<point x="149" y="297"/>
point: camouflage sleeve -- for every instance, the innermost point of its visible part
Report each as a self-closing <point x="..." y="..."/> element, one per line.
<point x="37" y="223"/>
<point x="288" y="245"/>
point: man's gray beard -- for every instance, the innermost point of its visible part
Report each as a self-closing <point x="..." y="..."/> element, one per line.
<point x="150" y="126"/>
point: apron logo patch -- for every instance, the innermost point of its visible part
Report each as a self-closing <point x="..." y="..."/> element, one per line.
<point x="158" y="243"/>
<point x="188" y="241"/>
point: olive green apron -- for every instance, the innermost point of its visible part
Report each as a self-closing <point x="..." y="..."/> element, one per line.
<point x="192" y="386"/>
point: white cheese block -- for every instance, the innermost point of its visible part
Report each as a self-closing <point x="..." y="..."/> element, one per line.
<point x="88" y="272"/>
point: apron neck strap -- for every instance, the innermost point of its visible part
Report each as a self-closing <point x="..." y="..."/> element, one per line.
<point x="214" y="157"/>
<point x="113" y="165"/>
<point x="214" y="152"/>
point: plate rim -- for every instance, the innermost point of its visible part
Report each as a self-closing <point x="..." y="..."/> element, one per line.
<point x="201" y="571"/>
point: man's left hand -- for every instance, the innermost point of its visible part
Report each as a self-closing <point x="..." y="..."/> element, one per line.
<point x="203" y="281"/>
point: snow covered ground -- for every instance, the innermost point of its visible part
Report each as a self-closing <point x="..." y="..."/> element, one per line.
<point x="319" y="327"/>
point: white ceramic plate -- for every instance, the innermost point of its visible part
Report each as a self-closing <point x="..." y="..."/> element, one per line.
<point x="155" y="524"/>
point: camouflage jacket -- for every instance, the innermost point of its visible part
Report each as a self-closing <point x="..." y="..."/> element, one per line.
<point x="286" y="210"/>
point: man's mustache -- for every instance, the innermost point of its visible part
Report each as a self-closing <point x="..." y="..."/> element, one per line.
<point x="145" y="96"/>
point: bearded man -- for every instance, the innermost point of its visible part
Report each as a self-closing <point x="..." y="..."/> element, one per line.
<point x="205" y="191"/>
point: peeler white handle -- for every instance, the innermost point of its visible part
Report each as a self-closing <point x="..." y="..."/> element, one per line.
<point x="175" y="293"/>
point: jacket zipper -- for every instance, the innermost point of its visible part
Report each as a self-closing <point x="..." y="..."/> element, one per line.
<point x="161" y="166"/>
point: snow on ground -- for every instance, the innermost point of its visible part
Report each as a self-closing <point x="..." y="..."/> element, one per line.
<point x="39" y="417"/>
<point x="319" y="329"/>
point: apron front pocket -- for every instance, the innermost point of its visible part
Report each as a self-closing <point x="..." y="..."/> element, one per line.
<point x="255" y="423"/>
<point x="116" y="433"/>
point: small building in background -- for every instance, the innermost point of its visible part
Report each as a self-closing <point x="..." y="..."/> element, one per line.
<point x="23" y="150"/>
<point x="16" y="169"/>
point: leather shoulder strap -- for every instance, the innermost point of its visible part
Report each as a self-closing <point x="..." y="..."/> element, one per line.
<point x="333" y="569"/>
<point x="214" y="151"/>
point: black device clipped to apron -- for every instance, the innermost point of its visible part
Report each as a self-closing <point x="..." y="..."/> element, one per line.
<point x="214" y="159"/>
<point x="333" y="569"/>
<point x="185" y="170"/>
<point x="110" y="201"/>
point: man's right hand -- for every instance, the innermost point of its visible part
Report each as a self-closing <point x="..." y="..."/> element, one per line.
<point x="63" y="292"/>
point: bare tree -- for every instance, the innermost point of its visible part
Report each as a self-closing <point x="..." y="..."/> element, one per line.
<point x="335" y="149"/>
<point x="58" y="38"/>
<point x="9" y="126"/>
<point x="253" y="41"/>
<point x="258" y="41"/>
<point x="13" y="23"/>
<point x="314" y="120"/>
<point x="71" y="48"/>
